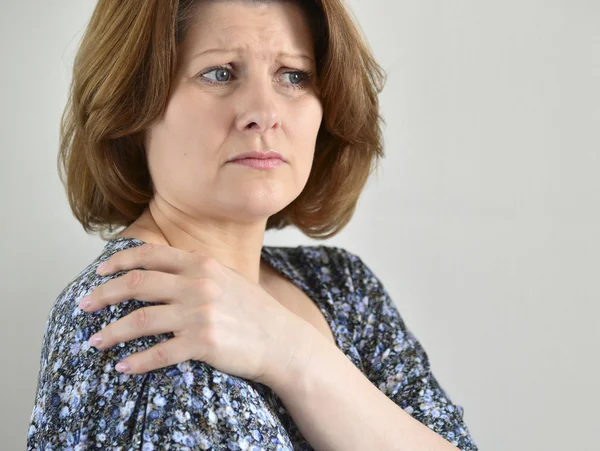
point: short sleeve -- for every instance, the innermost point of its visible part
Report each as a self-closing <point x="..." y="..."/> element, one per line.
<point x="396" y="363"/>
<point x="82" y="402"/>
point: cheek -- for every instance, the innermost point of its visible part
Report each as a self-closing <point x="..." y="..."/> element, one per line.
<point x="195" y="119"/>
<point x="303" y="122"/>
<point x="184" y="144"/>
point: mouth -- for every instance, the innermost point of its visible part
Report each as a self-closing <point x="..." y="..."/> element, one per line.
<point x="269" y="154"/>
<point x="259" y="163"/>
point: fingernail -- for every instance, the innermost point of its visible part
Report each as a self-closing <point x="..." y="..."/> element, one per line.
<point x="122" y="367"/>
<point x="85" y="303"/>
<point x="101" y="268"/>
<point x="96" y="340"/>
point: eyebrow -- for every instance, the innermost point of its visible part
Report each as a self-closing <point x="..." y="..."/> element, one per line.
<point x="241" y="50"/>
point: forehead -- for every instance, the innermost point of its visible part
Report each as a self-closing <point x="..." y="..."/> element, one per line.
<point x="259" y="27"/>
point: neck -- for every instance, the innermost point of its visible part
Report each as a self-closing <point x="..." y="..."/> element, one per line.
<point x="234" y="245"/>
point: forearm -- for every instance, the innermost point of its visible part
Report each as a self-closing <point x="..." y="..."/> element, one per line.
<point x="337" y="408"/>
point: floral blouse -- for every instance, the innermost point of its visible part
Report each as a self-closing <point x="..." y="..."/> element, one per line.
<point x="83" y="403"/>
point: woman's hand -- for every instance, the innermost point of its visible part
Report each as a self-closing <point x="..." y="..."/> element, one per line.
<point x="216" y="315"/>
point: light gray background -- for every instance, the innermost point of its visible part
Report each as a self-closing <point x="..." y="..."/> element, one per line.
<point x="483" y="223"/>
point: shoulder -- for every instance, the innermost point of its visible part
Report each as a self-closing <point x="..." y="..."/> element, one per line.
<point x="67" y="327"/>
<point x="339" y="260"/>
<point x="337" y="257"/>
<point x="79" y="392"/>
<point x="334" y="256"/>
<point x="336" y="266"/>
<point x="303" y="257"/>
<point x="87" y="279"/>
<point x="352" y="281"/>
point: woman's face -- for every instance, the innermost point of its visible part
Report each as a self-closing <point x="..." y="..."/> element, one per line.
<point x="258" y="100"/>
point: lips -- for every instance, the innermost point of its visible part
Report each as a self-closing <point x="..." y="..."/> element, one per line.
<point x="259" y="155"/>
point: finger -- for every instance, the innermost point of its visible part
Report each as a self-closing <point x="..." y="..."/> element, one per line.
<point x="163" y="354"/>
<point x="148" y="286"/>
<point x="143" y="322"/>
<point x="152" y="257"/>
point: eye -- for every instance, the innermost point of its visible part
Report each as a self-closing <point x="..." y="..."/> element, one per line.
<point x="220" y="73"/>
<point x="298" y="78"/>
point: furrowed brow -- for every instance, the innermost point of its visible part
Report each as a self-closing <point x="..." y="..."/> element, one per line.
<point x="239" y="50"/>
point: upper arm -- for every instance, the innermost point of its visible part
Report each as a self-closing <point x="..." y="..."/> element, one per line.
<point x="396" y="362"/>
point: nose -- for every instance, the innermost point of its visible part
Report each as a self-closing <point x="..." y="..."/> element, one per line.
<point x="258" y="108"/>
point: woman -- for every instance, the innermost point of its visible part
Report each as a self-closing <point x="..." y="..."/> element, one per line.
<point x="210" y="340"/>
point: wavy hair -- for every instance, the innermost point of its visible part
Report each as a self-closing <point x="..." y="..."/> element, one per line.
<point x="122" y="72"/>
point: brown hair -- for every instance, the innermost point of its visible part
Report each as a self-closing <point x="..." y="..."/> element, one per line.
<point x="121" y="79"/>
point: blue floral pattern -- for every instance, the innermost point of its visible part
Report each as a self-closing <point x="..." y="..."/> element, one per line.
<point x="83" y="402"/>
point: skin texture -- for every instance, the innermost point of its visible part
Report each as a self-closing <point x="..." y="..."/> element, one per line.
<point x="201" y="202"/>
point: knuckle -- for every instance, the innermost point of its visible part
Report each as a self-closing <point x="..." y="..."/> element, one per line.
<point x="209" y="264"/>
<point x="183" y="258"/>
<point x="208" y="339"/>
<point x="197" y="258"/>
<point x="135" y="278"/>
<point x="161" y="357"/>
<point x="140" y="318"/>
<point x="176" y="311"/>
<point x="146" y="249"/>
<point x="209" y="315"/>
<point x="207" y="288"/>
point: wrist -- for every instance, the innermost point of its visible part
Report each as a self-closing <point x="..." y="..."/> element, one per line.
<point x="297" y="349"/>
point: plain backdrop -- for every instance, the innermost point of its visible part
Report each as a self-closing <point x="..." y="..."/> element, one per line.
<point x="482" y="224"/>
